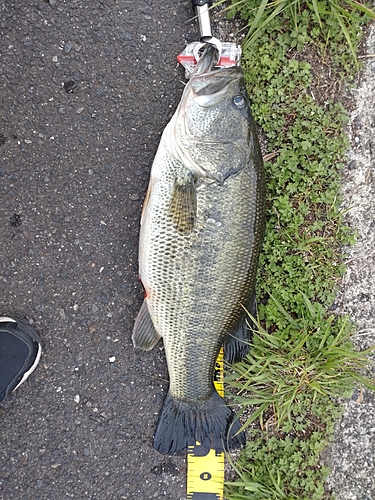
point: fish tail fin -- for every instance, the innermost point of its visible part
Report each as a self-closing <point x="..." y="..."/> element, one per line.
<point x="212" y="423"/>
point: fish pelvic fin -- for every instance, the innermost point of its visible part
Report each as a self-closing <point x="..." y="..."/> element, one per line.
<point x="212" y="423"/>
<point x="237" y="344"/>
<point x="144" y="334"/>
<point x="183" y="205"/>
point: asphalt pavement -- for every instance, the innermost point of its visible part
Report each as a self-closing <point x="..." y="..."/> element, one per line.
<point x="87" y="89"/>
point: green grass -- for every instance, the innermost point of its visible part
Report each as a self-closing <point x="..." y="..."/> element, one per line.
<point x="328" y="19"/>
<point x="311" y="355"/>
<point x="302" y="359"/>
<point x="285" y="465"/>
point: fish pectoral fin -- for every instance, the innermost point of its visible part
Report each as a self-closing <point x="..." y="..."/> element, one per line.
<point x="183" y="206"/>
<point x="144" y="335"/>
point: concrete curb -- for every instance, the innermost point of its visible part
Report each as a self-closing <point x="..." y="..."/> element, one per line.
<point x="351" y="456"/>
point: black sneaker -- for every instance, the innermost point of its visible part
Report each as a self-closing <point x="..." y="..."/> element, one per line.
<point x="20" y="351"/>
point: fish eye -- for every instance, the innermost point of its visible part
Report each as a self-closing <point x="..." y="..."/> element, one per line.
<point x="239" y="101"/>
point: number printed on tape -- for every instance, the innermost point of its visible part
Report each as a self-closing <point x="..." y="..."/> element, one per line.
<point x="205" y="474"/>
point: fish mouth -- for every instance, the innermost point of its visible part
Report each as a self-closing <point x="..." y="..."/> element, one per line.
<point x="207" y="80"/>
<point x="208" y="60"/>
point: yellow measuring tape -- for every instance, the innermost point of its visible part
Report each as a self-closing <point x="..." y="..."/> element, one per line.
<point x="205" y="471"/>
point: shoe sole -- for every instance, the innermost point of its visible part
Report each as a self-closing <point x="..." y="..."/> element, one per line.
<point x="32" y="333"/>
<point x="31" y="369"/>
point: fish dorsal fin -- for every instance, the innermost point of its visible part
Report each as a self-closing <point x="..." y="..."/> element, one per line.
<point x="144" y="335"/>
<point x="183" y="206"/>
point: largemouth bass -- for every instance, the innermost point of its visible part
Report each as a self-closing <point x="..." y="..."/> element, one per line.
<point x="201" y="233"/>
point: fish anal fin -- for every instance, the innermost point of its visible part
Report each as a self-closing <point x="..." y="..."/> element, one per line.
<point x="237" y="344"/>
<point x="144" y="335"/>
<point x="183" y="206"/>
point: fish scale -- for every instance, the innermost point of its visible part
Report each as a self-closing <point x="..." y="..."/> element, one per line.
<point x="201" y="232"/>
